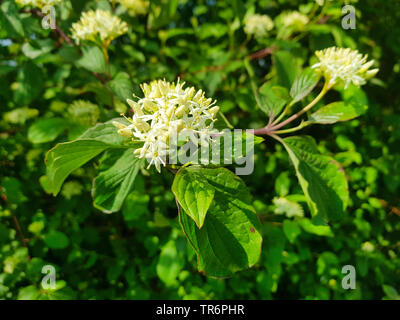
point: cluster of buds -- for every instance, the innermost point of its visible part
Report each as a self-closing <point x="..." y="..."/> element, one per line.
<point x="98" y="25"/>
<point x="37" y="3"/>
<point x="294" y="20"/>
<point x="258" y="25"/>
<point x="134" y="7"/>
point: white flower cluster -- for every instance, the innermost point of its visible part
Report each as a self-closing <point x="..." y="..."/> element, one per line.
<point x="134" y="7"/>
<point x="258" y="25"/>
<point x="294" y="19"/>
<point x="167" y="110"/>
<point x="344" y="64"/>
<point x="98" y="24"/>
<point x="37" y="3"/>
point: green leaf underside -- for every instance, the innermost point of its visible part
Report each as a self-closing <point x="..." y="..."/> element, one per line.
<point x="304" y="84"/>
<point x="194" y="194"/>
<point x="321" y="178"/>
<point x="111" y="187"/>
<point x="337" y="112"/>
<point x="229" y="240"/>
<point x="66" y="157"/>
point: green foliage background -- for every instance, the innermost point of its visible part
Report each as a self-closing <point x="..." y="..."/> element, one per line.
<point x="141" y="252"/>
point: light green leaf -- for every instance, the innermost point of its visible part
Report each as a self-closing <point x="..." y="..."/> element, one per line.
<point x="121" y="86"/>
<point x="308" y="226"/>
<point x="37" y="48"/>
<point x="273" y="98"/>
<point x="321" y="178"/>
<point x="291" y="230"/>
<point x="194" y="193"/>
<point x="111" y="187"/>
<point x="67" y="157"/>
<point x="337" y="112"/>
<point x="170" y="263"/>
<point x="304" y="84"/>
<point x="45" y="130"/>
<point x="230" y="238"/>
<point x="92" y="60"/>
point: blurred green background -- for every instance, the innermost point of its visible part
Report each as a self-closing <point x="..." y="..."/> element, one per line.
<point x="141" y="252"/>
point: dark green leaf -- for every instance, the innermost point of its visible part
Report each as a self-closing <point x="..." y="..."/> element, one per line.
<point x="321" y="178"/>
<point x="286" y="67"/>
<point x="30" y="80"/>
<point x="10" y="18"/>
<point x="229" y="240"/>
<point x="56" y="240"/>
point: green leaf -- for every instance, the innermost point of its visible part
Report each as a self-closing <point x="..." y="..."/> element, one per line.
<point x="321" y="178"/>
<point x="28" y="293"/>
<point x="13" y="190"/>
<point x="230" y="238"/>
<point x="37" y="48"/>
<point x="45" y="130"/>
<point x="286" y="67"/>
<point x="338" y="112"/>
<point x="291" y="230"/>
<point x="170" y="263"/>
<point x="239" y="9"/>
<point x="304" y="84"/>
<point x="121" y="86"/>
<point x="10" y="19"/>
<point x="273" y="98"/>
<point x="56" y="240"/>
<point x="69" y="156"/>
<point x="194" y="193"/>
<point x="30" y="80"/>
<point x="308" y="226"/>
<point x="111" y="187"/>
<point x="92" y="60"/>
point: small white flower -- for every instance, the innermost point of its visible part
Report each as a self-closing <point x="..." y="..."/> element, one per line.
<point x="258" y="25"/>
<point x="166" y="110"/>
<point x="344" y="64"/>
<point x="98" y="24"/>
